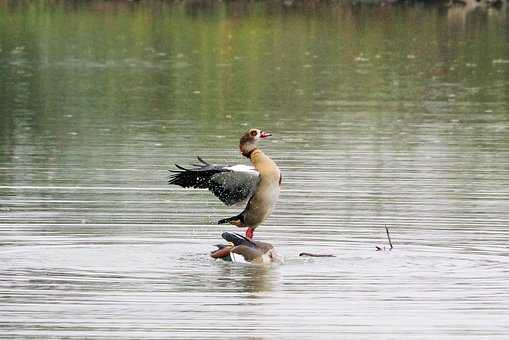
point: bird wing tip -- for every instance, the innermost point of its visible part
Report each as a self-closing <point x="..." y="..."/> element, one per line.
<point x="202" y="161"/>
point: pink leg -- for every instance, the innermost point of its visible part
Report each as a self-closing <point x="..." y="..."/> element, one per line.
<point x="249" y="233"/>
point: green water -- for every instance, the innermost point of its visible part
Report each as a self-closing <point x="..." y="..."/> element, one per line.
<point x="224" y="64"/>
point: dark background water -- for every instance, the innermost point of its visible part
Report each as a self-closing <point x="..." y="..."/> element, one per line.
<point x="381" y="115"/>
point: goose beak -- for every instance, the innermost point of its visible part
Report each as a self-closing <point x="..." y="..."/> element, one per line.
<point x="264" y="134"/>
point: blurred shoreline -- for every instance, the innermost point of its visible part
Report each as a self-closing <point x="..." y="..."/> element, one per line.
<point x="458" y="12"/>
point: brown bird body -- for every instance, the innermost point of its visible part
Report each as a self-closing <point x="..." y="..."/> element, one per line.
<point x="266" y="195"/>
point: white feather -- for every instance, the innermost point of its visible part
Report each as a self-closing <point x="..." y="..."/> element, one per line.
<point x="243" y="168"/>
<point x="237" y="258"/>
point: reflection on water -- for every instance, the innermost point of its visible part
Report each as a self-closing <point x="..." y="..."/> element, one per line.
<point x="246" y="279"/>
<point x="373" y="124"/>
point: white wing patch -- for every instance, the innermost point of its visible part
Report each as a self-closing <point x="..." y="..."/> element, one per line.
<point x="237" y="258"/>
<point x="243" y="168"/>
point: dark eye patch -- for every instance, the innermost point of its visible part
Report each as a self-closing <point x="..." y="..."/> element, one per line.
<point x="254" y="133"/>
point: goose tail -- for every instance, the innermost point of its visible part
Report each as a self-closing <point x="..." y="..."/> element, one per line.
<point x="237" y="220"/>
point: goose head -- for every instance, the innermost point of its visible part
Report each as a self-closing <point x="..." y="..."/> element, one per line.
<point x="250" y="138"/>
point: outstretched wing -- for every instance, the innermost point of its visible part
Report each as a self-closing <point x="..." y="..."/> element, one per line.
<point x="231" y="184"/>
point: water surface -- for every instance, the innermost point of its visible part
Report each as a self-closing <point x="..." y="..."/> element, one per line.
<point x="380" y="115"/>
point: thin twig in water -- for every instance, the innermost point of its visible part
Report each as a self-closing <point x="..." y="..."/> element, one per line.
<point x="389" y="237"/>
<point x="316" y="255"/>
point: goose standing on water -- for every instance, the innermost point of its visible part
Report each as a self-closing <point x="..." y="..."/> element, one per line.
<point x="258" y="184"/>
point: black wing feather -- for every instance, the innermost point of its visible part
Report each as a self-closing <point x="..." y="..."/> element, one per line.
<point x="228" y="187"/>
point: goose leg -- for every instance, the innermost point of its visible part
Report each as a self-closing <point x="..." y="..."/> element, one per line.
<point x="249" y="233"/>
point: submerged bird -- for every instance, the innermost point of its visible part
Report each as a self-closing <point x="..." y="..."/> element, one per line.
<point x="258" y="184"/>
<point x="241" y="249"/>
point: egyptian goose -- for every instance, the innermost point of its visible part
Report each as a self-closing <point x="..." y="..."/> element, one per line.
<point x="258" y="184"/>
<point x="244" y="250"/>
